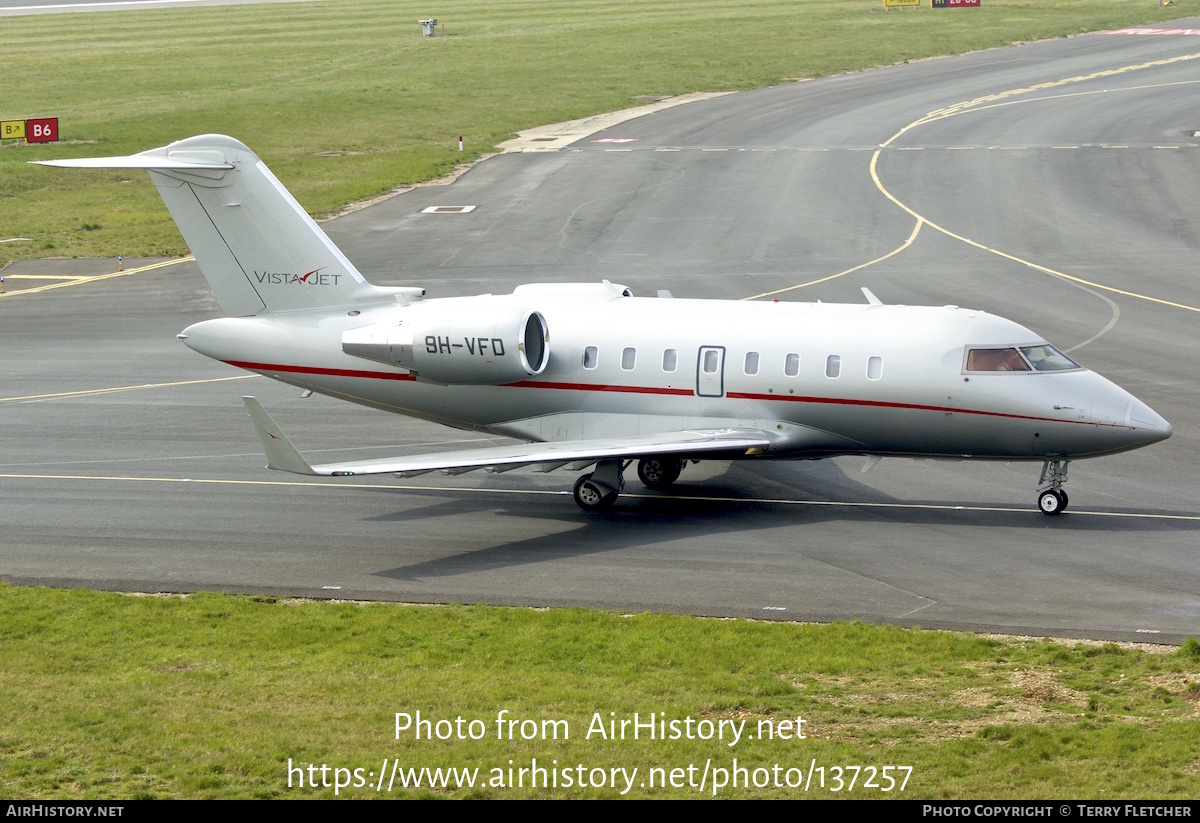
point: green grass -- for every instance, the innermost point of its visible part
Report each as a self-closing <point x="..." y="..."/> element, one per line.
<point x="293" y="80"/>
<point x="114" y="696"/>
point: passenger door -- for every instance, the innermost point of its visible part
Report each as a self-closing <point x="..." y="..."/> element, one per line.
<point x="710" y="371"/>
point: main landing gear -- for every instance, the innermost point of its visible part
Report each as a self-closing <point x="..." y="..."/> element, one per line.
<point x="599" y="489"/>
<point x="659" y="472"/>
<point x="1053" y="500"/>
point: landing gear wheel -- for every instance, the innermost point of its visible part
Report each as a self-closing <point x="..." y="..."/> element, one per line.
<point x="590" y="497"/>
<point x="1052" y="501"/>
<point x="658" y="472"/>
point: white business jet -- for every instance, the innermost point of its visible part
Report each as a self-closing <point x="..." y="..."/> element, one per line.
<point x="591" y="377"/>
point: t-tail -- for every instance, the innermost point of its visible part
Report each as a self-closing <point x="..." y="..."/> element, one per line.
<point x="258" y="249"/>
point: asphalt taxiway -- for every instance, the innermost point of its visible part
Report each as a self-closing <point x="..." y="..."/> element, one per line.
<point x="1052" y="183"/>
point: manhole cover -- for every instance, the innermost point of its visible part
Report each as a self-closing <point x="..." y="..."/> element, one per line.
<point x="447" y="209"/>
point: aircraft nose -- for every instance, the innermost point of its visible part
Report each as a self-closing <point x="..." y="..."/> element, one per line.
<point x="1150" y="425"/>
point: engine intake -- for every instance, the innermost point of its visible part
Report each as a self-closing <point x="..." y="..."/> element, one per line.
<point x="478" y="345"/>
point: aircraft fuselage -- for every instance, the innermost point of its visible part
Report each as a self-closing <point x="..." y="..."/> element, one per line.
<point x="823" y="378"/>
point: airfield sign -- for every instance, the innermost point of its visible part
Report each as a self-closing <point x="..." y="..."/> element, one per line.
<point x="37" y="130"/>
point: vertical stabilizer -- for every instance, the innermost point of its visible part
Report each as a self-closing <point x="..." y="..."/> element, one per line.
<point x="258" y="249"/>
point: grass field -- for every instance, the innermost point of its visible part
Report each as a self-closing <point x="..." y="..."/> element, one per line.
<point x="115" y="696"/>
<point x="298" y="79"/>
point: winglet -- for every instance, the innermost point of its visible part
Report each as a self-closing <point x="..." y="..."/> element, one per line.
<point x="281" y="454"/>
<point x="871" y="298"/>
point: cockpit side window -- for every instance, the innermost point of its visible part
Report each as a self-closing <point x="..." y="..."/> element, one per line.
<point x="996" y="360"/>
<point x="1041" y="357"/>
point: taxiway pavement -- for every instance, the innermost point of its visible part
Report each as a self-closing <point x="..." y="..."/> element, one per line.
<point x="1052" y="183"/>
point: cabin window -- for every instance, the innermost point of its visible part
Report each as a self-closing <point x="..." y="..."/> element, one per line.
<point x="751" y="362"/>
<point x="711" y="361"/>
<point x="791" y="366"/>
<point x="670" y="360"/>
<point x="589" y="357"/>
<point x="628" y="358"/>
<point x="833" y="365"/>
<point x="874" y="368"/>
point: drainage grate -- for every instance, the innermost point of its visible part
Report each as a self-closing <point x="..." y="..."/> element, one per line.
<point x="447" y="209"/>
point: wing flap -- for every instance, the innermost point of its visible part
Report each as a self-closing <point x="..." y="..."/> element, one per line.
<point x="282" y="455"/>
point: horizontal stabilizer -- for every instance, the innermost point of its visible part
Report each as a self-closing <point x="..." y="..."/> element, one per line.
<point x="282" y="455"/>
<point x="136" y="161"/>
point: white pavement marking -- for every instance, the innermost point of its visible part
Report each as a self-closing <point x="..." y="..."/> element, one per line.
<point x="781" y="501"/>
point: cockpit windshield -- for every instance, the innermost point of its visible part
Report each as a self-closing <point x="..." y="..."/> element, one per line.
<point x="1047" y="358"/>
<point x="1042" y="357"/>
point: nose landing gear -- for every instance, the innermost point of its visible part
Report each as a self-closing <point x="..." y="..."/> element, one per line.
<point x="1053" y="500"/>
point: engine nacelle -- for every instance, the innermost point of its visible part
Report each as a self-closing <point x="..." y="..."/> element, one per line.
<point x="474" y="345"/>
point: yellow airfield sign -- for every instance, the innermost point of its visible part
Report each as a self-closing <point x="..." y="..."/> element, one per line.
<point x="12" y="129"/>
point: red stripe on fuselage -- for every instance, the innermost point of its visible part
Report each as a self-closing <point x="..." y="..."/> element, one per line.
<point x="887" y="404"/>
<point x="603" y="387"/>
<point x="275" y="367"/>
<point x="538" y="384"/>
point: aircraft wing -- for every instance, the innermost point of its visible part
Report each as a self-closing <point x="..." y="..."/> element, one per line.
<point x="282" y="455"/>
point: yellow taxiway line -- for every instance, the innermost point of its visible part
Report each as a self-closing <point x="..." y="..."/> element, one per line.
<point x="893" y="252"/>
<point x="40" y="398"/>
<point x="980" y="104"/>
<point x="77" y="281"/>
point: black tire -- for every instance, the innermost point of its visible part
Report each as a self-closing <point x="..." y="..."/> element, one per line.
<point x="590" y="497"/>
<point x="1052" y="502"/>
<point x="658" y="472"/>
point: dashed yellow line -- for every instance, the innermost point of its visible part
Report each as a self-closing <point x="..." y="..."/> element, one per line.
<point x="978" y="103"/>
<point x="92" y="279"/>
<point x="41" y="398"/>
